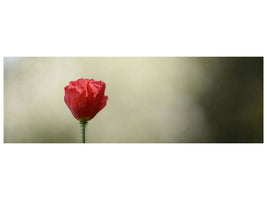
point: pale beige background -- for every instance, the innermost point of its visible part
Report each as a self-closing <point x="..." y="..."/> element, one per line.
<point x="150" y="99"/>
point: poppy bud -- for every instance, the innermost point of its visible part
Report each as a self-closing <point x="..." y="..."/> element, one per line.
<point x="85" y="98"/>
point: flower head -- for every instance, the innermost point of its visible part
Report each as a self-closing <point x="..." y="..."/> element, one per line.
<point x="85" y="98"/>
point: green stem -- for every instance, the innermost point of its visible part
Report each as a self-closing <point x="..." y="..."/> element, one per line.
<point x="83" y="129"/>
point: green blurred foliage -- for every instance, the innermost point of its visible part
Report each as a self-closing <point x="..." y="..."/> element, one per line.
<point x="234" y="103"/>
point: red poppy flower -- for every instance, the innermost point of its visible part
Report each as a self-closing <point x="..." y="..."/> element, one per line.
<point x="85" y="98"/>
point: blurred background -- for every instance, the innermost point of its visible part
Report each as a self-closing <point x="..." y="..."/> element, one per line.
<point x="151" y="99"/>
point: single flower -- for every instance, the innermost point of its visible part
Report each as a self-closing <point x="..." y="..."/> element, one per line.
<point x="85" y="98"/>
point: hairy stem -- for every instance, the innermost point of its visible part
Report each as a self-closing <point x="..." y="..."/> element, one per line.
<point x="83" y="123"/>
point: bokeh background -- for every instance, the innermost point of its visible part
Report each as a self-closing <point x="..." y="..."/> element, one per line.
<point x="151" y="99"/>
